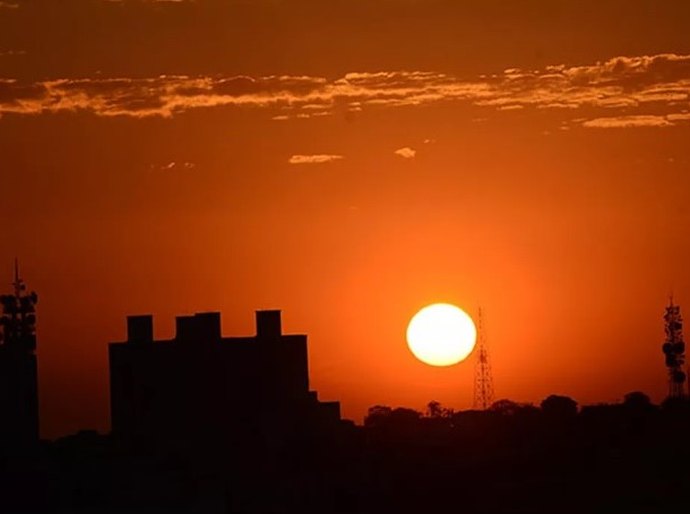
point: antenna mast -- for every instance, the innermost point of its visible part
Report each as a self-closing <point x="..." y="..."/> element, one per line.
<point x="674" y="350"/>
<point x="18" y="376"/>
<point x="18" y="283"/>
<point x="483" y="379"/>
<point x="18" y="316"/>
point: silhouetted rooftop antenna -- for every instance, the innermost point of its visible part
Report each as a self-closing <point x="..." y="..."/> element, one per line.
<point x="19" y="285"/>
<point x="18" y="316"/>
<point x="483" y="379"/>
<point x="674" y="350"/>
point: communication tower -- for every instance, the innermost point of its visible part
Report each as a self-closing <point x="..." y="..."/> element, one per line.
<point x="18" y="369"/>
<point x="483" y="379"/>
<point x="674" y="351"/>
<point x="18" y="320"/>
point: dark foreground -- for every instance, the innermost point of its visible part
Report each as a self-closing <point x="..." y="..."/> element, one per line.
<point x="632" y="457"/>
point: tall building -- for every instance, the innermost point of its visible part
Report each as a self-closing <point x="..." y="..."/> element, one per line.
<point x="201" y="388"/>
<point x="18" y="373"/>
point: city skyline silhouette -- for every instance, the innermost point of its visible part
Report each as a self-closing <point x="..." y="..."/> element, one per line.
<point x="261" y="233"/>
<point x="309" y="157"/>
<point x="203" y="422"/>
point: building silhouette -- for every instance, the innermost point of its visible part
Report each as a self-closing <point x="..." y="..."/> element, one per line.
<point x="201" y="388"/>
<point x="18" y="368"/>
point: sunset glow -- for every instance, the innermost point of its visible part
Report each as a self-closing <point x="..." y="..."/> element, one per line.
<point x="348" y="163"/>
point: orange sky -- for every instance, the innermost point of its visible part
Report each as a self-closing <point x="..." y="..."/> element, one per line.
<point x="350" y="162"/>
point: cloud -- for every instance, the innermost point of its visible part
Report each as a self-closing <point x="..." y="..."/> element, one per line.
<point x="161" y="96"/>
<point x="684" y="116"/>
<point x="314" y="159"/>
<point x="149" y="1"/>
<point x="173" y="165"/>
<point x="629" y="121"/>
<point x="656" y="85"/>
<point x="406" y="152"/>
<point x="9" y="53"/>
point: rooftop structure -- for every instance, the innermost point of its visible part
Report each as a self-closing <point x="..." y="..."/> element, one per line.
<point x="203" y="388"/>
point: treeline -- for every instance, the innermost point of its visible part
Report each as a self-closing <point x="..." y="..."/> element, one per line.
<point x="558" y="456"/>
<point x="556" y="419"/>
<point x="554" y="408"/>
<point x="555" y="457"/>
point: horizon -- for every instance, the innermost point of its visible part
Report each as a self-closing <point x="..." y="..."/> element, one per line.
<point x="471" y="360"/>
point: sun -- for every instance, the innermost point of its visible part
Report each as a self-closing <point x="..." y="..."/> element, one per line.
<point x="441" y="335"/>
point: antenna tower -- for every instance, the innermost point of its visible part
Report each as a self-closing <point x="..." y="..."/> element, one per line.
<point x="18" y="372"/>
<point x="674" y="350"/>
<point x="18" y="317"/>
<point x="483" y="380"/>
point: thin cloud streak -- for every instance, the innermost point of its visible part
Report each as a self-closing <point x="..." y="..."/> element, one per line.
<point x="10" y="53"/>
<point x="314" y="159"/>
<point x="175" y="165"/>
<point x="628" y="121"/>
<point x="623" y="85"/>
<point x="148" y="1"/>
<point x="406" y="152"/>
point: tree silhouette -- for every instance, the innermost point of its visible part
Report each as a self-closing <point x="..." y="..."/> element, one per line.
<point x="403" y="415"/>
<point x="377" y="415"/>
<point x="435" y="410"/>
<point x="559" y="406"/>
<point x="505" y="407"/>
<point x="637" y="400"/>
